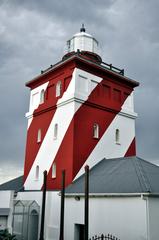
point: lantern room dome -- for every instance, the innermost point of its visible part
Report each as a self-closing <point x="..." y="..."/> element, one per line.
<point x="83" y="42"/>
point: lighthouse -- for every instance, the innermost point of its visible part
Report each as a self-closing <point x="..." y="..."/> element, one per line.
<point x="81" y="111"/>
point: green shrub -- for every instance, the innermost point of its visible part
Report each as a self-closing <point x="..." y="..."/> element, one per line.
<point x="5" y="235"/>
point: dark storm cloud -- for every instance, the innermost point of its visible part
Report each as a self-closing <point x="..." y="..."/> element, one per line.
<point x="33" y="35"/>
<point x="66" y="10"/>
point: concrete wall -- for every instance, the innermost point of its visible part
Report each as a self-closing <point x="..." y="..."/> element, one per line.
<point x="153" y="218"/>
<point x="124" y="217"/>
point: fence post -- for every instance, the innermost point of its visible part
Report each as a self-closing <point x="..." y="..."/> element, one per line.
<point x="62" y="206"/>
<point x="43" y="207"/>
<point x="86" y="216"/>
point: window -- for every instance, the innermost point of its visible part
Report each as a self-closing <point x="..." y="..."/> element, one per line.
<point x="79" y="231"/>
<point x="37" y="173"/>
<point x="58" y="88"/>
<point x="42" y="96"/>
<point x="3" y="222"/>
<point x="68" y="45"/>
<point x="96" y="131"/>
<point x="39" y="136"/>
<point x="54" y="170"/>
<point x="117" y="136"/>
<point x="55" y="131"/>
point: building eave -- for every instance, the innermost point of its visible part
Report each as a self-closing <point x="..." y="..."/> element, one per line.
<point x="110" y="195"/>
<point x="79" y="58"/>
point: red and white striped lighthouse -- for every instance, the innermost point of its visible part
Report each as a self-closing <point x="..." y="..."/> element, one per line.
<point x="81" y="110"/>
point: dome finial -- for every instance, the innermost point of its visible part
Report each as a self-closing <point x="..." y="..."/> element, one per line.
<point x="82" y="29"/>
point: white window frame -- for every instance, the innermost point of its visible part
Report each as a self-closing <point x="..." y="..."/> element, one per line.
<point x="68" y="45"/>
<point x="96" y="131"/>
<point x="54" y="170"/>
<point x="42" y="96"/>
<point x="37" y="173"/>
<point x="58" y="88"/>
<point x="39" y="136"/>
<point x="55" y="131"/>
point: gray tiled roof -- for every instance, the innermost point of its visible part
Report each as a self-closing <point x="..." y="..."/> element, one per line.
<point x="16" y="184"/>
<point x="120" y="175"/>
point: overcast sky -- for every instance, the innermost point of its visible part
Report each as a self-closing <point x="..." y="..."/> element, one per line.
<point x="33" y="34"/>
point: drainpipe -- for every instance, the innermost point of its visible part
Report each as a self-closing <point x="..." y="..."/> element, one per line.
<point x="143" y="197"/>
<point x="62" y="207"/>
<point x="43" y="207"/>
<point x="86" y="213"/>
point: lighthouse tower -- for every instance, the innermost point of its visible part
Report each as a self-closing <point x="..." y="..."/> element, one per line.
<point x="81" y="110"/>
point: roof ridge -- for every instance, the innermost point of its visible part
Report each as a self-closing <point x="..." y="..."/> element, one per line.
<point x="9" y="181"/>
<point x="143" y="179"/>
<point x="148" y="162"/>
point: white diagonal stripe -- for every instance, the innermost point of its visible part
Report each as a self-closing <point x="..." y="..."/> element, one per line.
<point x="107" y="147"/>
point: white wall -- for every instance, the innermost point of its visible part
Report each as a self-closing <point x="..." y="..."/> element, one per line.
<point x="153" y="218"/>
<point x="52" y="216"/>
<point x="128" y="218"/>
<point x="35" y="101"/>
<point x="124" y="217"/>
<point x="30" y="196"/>
<point x="5" y="197"/>
<point x="6" y="201"/>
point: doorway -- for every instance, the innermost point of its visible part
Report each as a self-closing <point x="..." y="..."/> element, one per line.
<point x="33" y="225"/>
<point x="79" y="231"/>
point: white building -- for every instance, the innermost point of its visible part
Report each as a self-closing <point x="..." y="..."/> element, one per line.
<point x="124" y="200"/>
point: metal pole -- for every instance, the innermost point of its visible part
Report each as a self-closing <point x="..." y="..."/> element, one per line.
<point x="43" y="207"/>
<point x="86" y="213"/>
<point x="62" y="206"/>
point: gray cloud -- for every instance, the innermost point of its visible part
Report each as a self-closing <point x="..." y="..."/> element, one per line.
<point x="33" y="35"/>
